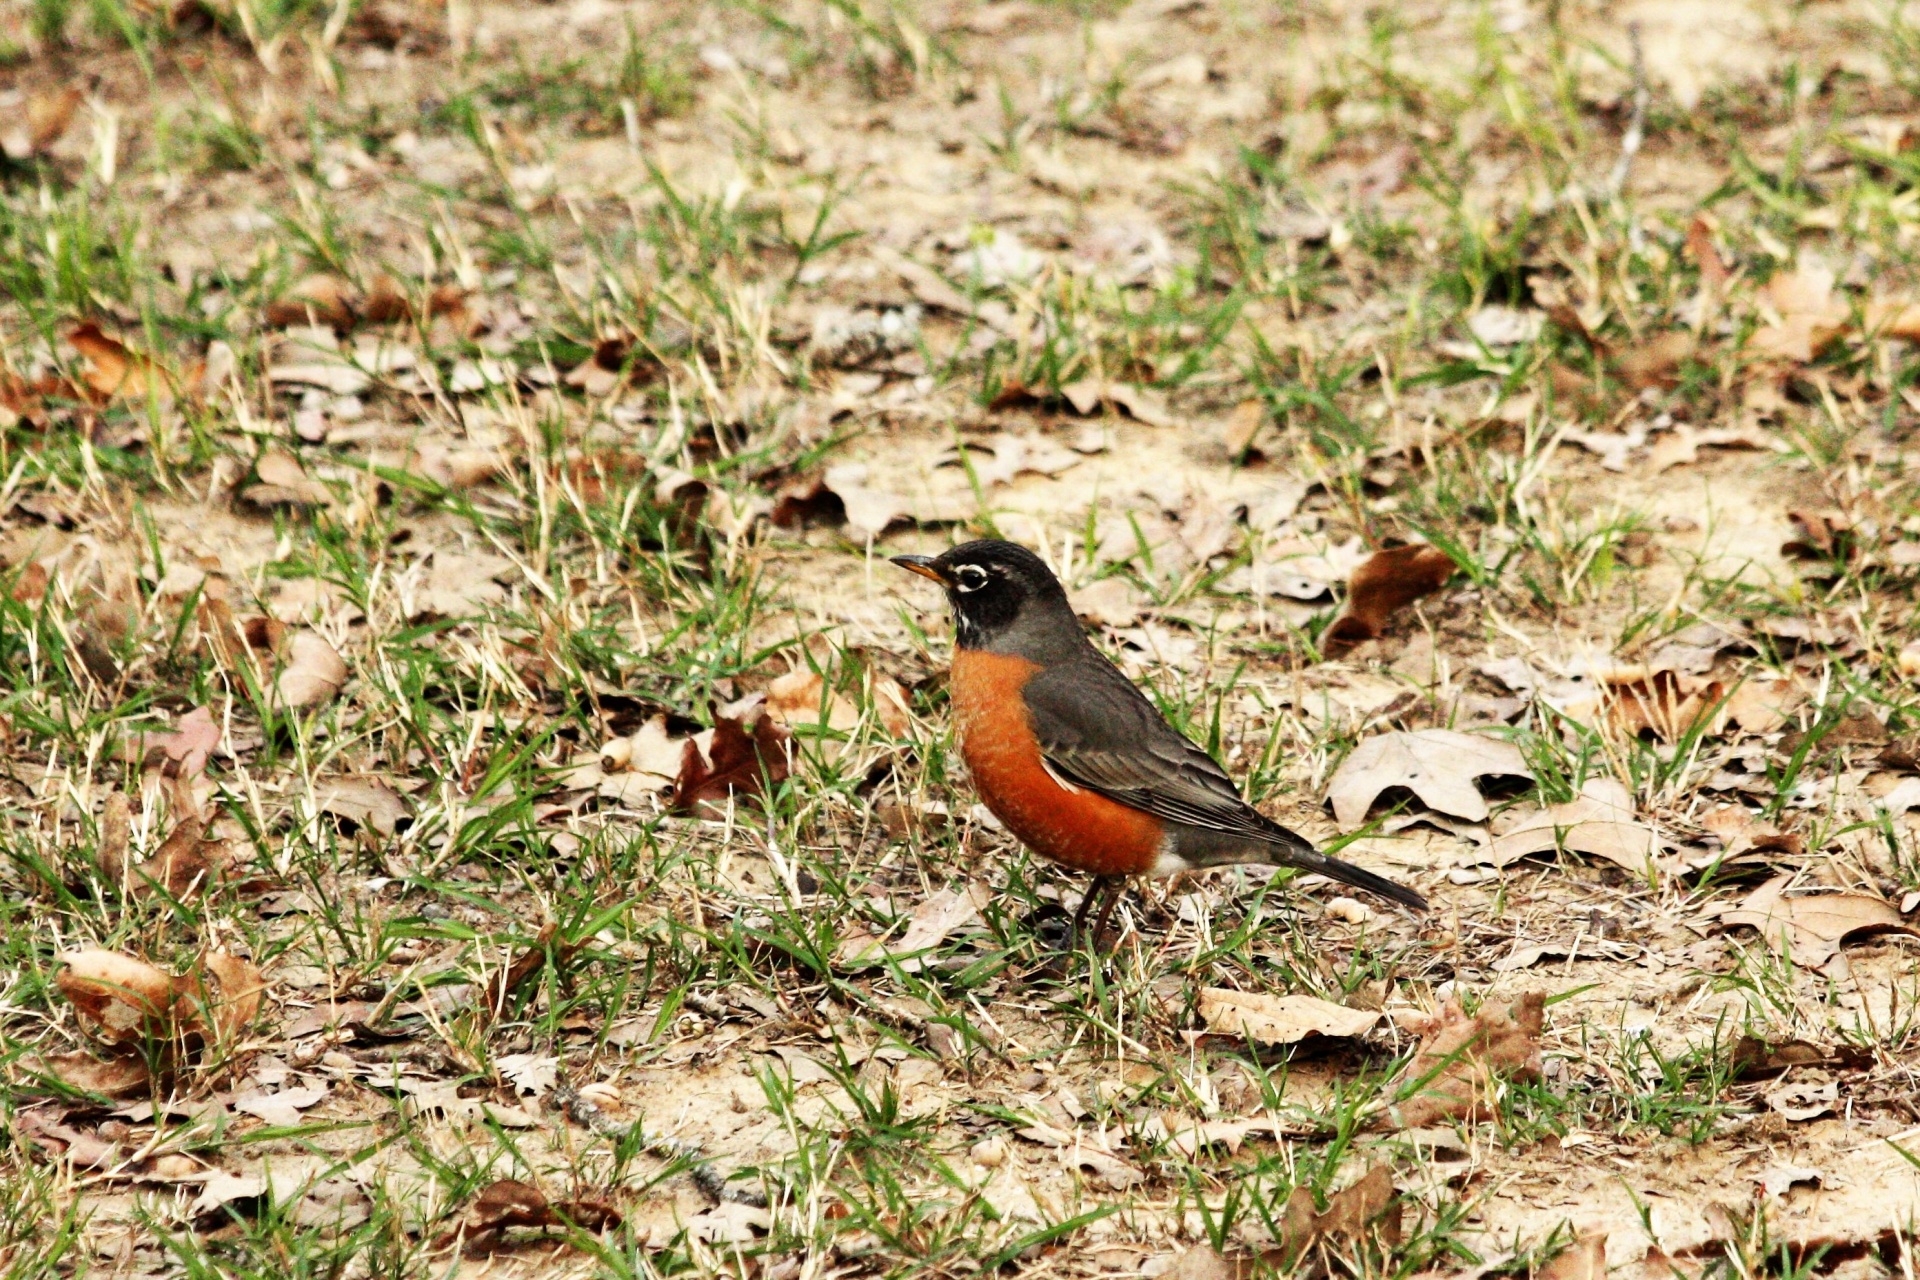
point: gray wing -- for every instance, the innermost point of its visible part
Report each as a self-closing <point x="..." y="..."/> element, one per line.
<point x="1100" y="732"/>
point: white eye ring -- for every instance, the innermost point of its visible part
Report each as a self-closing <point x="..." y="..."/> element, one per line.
<point x="969" y="577"/>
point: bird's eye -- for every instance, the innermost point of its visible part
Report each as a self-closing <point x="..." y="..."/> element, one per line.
<point x="969" y="577"/>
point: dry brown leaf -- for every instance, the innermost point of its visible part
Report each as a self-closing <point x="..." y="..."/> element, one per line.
<point x="121" y="1077"/>
<point x="124" y="1001"/>
<point x="226" y="991"/>
<point x="185" y="863"/>
<point x="801" y="698"/>
<point x="1143" y="404"/>
<point x="283" y="482"/>
<point x="1368" y="1206"/>
<point x="1599" y="821"/>
<point x="746" y="755"/>
<point x="312" y="674"/>
<point x="187" y="748"/>
<point x="116" y="830"/>
<point x="1813" y="926"/>
<point x="1456" y="1073"/>
<point x="318" y="299"/>
<point x="1438" y="765"/>
<point x="115" y="371"/>
<point x="507" y="1203"/>
<point x="1742" y="834"/>
<point x="1388" y="582"/>
<point x="1682" y="444"/>
<point x="1112" y="602"/>
<point x="1272" y="1020"/>
<point x="1242" y="426"/>
<point x="937" y="918"/>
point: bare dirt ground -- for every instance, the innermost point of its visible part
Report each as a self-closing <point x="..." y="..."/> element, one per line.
<point x="476" y="800"/>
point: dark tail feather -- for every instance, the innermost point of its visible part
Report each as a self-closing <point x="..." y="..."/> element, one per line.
<point x="1347" y="873"/>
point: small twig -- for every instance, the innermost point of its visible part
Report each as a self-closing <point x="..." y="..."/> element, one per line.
<point x="1636" y="123"/>
<point x="585" y="1112"/>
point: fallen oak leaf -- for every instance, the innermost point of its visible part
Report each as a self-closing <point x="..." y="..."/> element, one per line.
<point x="932" y="922"/>
<point x="1277" y="1020"/>
<point x="745" y="755"/>
<point x="1814" y="926"/>
<point x="1388" y="582"/>
<point x="124" y="1000"/>
<point x="318" y="299"/>
<point x="1455" y="1073"/>
<point x="1810" y="317"/>
<point x="1439" y="766"/>
<point x="1599" y="821"/>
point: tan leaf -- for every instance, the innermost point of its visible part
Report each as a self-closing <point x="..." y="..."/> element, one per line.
<point x="227" y="991"/>
<point x="941" y="915"/>
<point x="1388" y="582"/>
<point x="1110" y="601"/>
<point x="1813" y="926"/>
<point x="1599" y="821"/>
<point x="1243" y="426"/>
<point x="187" y="748"/>
<point x="366" y="801"/>
<point x="1456" y="1073"/>
<point x="283" y="482"/>
<point x="1437" y="765"/>
<point x="124" y="1000"/>
<point x="801" y="698"/>
<point x="1584" y="1259"/>
<point x="1810" y="316"/>
<point x="1143" y="404"/>
<point x="46" y="118"/>
<point x="116" y="828"/>
<point x="185" y="863"/>
<point x="313" y="672"/>
<point x="1272" y="1020"/>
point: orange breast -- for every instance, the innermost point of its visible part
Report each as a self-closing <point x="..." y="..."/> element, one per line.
<point x="1070" y="825"/>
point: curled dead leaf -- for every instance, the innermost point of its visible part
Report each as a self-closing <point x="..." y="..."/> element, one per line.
<point x="186" y="750"/>
<point x="365" y="801"/>
<point x="124" y="1000"/>
<point x="43" y="123"/>
<point x="1388" y="582"/>
<point x="119" y="1077"/>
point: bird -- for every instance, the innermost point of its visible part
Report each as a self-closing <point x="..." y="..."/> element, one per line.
<point x="1075" y="760"/>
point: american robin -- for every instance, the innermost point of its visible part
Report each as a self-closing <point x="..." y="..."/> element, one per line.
<point x="1074" y="759"/>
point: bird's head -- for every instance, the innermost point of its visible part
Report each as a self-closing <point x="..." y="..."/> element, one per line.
<point x="1003" y="596"/>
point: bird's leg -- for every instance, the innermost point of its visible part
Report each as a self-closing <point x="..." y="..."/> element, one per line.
<point x="1119" y="891"/>
<point x="1099" y="888"/>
